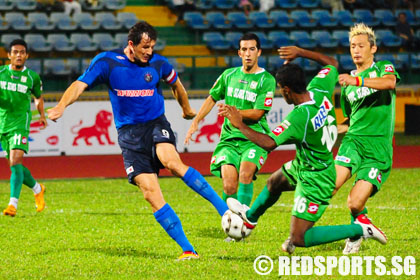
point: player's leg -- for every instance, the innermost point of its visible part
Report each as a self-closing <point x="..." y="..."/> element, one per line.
<point x="16" y="179"/>
<point x="343" y="174"/>
<point x="170" y="158"/>
<point x="164" y="214"/>
<point x="230" y="181"/>
<point x="246" y="187"/>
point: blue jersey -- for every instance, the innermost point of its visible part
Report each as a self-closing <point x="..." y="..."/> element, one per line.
<point x="134" y="90"/>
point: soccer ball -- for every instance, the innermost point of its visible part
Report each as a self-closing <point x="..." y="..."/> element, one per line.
<point x="233" y="226"/>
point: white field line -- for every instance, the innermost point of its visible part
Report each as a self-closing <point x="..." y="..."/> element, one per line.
<point x="345" y="207"/>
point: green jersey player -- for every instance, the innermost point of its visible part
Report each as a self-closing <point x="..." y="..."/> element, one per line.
<point x="311" y="126"/>
<point x="368" y="102"/>
<point x="17" y="84"/>
<point x="249" y="88"/>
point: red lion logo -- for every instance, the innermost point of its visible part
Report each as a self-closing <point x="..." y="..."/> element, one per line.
<point x="210" y="129"/>
<point x="102" y="123"/>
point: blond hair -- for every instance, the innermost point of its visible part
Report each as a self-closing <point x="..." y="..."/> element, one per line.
<point x="362" y="29"/>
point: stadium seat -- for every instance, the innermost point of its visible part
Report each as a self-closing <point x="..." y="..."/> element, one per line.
<point x="240" y="20"/>
<point x="345" y="18"/>
<point x="324" y="39"/>
<point x="121" y="39"/>
<point x="127" y="19"/>
<point x="204" y="5"/>
<point x="261" y="19"/>
<point x="4" y="25"/>
<point x="37" y="43"/>
<point x="99" y="6"/>
<point x="282" y="19"/>
<point x="218" y="21"/>
<point x="57" y="67"/>
<point x="310" y="65"/>
<point x="105" y="41"/>
<point x="63" y="22"/>
<point x="279" y="38"/>
<point x="225" y="4"/>
<point x="286" y="4"/>
<point x="274" y="63"/>
<point x="86" y="21"/>
<point x="388" y="38"/>
<point x="83" y="42"/>
<point x="160" y="44"/>
<point x="6" y="39"/>
<point x="415" y="61"/>
<point x="309" y="4"/>
<point x="302" y="39"/>
<point x="196" y="21"/>
<point x="41" y="21"/>
<point x="75" y="65"/>
<point x="386" y="56"/>
<point x="346" y="62"/>
<point x="386" y="17"/>
<point x="179" y="67"/>
<point x="17" y="21"/>
<point x="6" y="5"/>
<point x="114" y="5"/>
<point x="265" y="42"/>
<point x="61" y="43"/>
<point x="324" y="18"/>
<point x="233" y="39"/>
<point x="411" y="19"/>
<point x="26" y="5"/>
<point x="215" y="41"/>
<point x="365" y="16"/>
<point x="35" y="65"/>
<point x="303" y="19"/>
<point x="402" y="61"/>
<point x="108" y="21"/>
<point x="342" y="36"/>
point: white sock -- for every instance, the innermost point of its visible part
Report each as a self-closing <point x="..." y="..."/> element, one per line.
<point x="37" y="188"/>
<point x="14" y="201"/>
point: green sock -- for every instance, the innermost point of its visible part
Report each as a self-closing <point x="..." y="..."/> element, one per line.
<point x="245" y="193"/>
<point x="327" y="234"/>
<point x="353" y="217"/>
<point x="28" y="180"/>
<point x="226" y="196"/>
<point x="264" y="201"/>
<point x="16" y="180"/>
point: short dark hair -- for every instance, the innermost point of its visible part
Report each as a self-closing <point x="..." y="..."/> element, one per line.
<point x="292" y="76"/>
<point x="137" y="30"/>
<point x="17" y="42"/>
<point x="248" y="37"/>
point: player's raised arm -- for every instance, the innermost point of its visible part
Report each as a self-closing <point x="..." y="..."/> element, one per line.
<point x="71" y="94"/>
<point x="181" y="96"/>
<point x="208" y="104"/>
<point x="289" y="53"/>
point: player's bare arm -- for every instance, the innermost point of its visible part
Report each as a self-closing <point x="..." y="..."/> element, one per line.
<point x="39" y="104"/>
<point x="71" y="94"/>
<point x="181" y="96"/>
<point x="382" y="83"/>
<point x="235" y="118"/>
<point x="344" y="126"/>
<point x="252" y="114"/>
<point x="289" y="53"/>
<point x="207" y="106"/>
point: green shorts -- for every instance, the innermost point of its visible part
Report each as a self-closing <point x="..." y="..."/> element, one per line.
<point x="235" y="151"/>
<point x="313" y="190"/>
<point x="15" y="140"/>
<point x="369" y="158"/>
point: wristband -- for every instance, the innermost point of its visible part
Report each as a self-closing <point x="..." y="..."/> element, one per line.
<point x="363" y="82"/>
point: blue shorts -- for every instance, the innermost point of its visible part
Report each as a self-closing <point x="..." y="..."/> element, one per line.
<point x="137" y="143"/>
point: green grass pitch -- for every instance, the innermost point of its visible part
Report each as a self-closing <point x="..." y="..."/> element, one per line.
<point x="104" y="229"/>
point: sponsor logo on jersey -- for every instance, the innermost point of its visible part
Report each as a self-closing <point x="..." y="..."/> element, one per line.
<point x="319" y="120"/>
<point x="379" y="178"/>
<point x="242" y="94"/>
<point x="14" y="77"/>
<point x="343" y="159"/>
<point x="268" y="101"/>
<point x="213" y="160"/>
<point x="261" y="160"/>
<point x="243" y="82"/>
<point x="135" y="93"/>
<point x="24" y="140"/>
<point x="120" y="57"/>
<point x="313" y="208"/>
<point x="389" y="68"/>
<point x="23" y="79"/>
<point x="372" y="74"/>
<point x="129" y="170"/>
<point x="253" y="85"/>
<point x="165" y="133"/>
<point x="148" y="77"/>
<point x="269" y="94"/>
<point x="13" y="87"/>
<point x="221" y="159"/>
<point x="323" y="73"/>
<point x="278" y="130"/>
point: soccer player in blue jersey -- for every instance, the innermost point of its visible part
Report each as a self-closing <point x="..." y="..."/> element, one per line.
<point x="144" y="134"/>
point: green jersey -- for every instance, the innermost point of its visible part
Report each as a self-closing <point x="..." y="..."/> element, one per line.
<point x="371" y="111"/>
<point x="244" y="91"/>
<point x="16" y="88"/>
<point x="312" y="126"/>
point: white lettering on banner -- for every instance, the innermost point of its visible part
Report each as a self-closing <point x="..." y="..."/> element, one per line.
<point x="135" y="93"/>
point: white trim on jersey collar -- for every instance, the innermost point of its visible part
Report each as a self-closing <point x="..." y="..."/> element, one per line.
<point x="10" y="68"/>
<point x="310" y="102"/>
<point x="258" y="72"/>
<point x="353" y="72"/>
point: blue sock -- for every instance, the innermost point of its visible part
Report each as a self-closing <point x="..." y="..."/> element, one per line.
<point x="195" y="181"/>
<point x="170" y="222"/>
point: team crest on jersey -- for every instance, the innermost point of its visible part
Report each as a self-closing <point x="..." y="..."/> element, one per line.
<point x="319" y="120"/>
<point x="313" y="208"/>
<point x="24" y="140"/>
<point x="148" y="77"/>
<point x="343" y="159"/>
<point x="253" y="85"/>
<point x="379" y="178"/>
<point x="372" y="74"/>
<point x="261" y="160"/>
<point x="165" y="133"/>
<point x="129" y="170"/>
<point x="120" y="57"/>
<point x="389" y="68"/>
<point x="23" y="79"/>
<point x="323" y="73"/>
